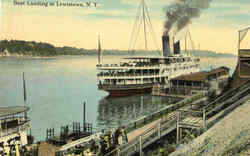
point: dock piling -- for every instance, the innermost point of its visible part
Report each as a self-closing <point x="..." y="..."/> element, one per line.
<point x="177" y="128"/>
<point x="84" y="116"/>
<point x="140" y="145"/>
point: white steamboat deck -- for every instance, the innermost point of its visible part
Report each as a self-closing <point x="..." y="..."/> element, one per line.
<point x="144" y="70"/>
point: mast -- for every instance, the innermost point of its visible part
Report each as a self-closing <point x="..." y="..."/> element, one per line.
<point x="173" y="45"/>
<point x="142" y="20"/>
<point x="144" y="24"/>
<point x="192" y="43"/>
<point x="186" y="43"/>
<point x="239" y="43"/>
<point x="99" y="50"/>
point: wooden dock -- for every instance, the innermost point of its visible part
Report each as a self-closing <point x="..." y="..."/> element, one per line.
<point x="145" y="126"/>
<point x="184" y="118"/>
<point x="188" y="113"/>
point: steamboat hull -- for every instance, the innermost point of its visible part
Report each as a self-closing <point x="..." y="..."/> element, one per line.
<point x="116" y="91"/>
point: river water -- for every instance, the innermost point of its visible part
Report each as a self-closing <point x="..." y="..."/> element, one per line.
<point x="57" y="88"/>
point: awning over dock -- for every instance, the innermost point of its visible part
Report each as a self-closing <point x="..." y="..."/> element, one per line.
<point x="203" y="76"/>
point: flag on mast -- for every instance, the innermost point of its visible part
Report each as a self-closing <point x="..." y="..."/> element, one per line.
<point x="99" y="50"/>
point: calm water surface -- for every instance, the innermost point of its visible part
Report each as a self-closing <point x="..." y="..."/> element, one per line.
<point x="57" y="87"/>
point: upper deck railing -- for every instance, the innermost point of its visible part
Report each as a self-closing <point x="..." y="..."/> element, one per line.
<point x="128" y="65"/>
<point x="143" y="64"/>
<point x="127" y="74"/>
<point x="128" y="86"/>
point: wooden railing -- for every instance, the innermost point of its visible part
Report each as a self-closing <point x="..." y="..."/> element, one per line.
<point x="209" y="115"/>
<point x="166" y="125"/>
<point x="221" y="101"/>
<point x="169" y="123"/>
<point x="160" y="113"/>
<point x="147" y="138"/>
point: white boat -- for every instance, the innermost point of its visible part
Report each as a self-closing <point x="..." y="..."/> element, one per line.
<point x="136" y="75"/>
<point x="14" y="125"/>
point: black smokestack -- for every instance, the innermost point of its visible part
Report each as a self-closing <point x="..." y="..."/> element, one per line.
<point x="177" y="48"/>
<point x="165" y="45"/>
<point x="181" y="12"/>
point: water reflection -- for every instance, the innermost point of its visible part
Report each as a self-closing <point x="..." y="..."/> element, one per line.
<point x="113" y="112"/>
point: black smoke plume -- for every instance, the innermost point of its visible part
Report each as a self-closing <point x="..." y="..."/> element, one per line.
<point x="180" y="13"/>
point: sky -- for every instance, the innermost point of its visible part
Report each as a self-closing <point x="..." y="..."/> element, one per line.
<point x="216" y="29"/>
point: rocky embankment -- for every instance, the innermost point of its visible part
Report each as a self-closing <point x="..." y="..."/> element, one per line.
<point x="229" y="137"/>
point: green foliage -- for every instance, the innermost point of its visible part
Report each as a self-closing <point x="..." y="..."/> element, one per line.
<point x="162" y="150"/>
<point x="36" y="48"/>
<point x="27" y="48"/>
<point x="45" y="49"/>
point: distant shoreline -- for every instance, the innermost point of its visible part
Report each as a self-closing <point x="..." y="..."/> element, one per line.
<point x="57" y="56"/>
<point x="38" y="57"/>
<point x="20" y="48"/>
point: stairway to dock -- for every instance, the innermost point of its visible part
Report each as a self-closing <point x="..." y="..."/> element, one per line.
<point x="186" y="118"/>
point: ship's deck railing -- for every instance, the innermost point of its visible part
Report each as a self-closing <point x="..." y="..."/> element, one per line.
<point x="145" y="64"/>
<point x="100" y="66"/>
<point x="126" y="65"/>
<point x="125" y="75"/>
<point x="7" y="129"/>
<point x="127" y="86"/>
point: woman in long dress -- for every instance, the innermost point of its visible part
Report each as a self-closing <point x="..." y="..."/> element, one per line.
<point x="124" y="136"/>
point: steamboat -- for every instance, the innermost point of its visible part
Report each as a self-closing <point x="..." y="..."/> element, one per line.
<point x="14" y="125"/>
<point x="136" y="75"/>
<point x="139" y="74"/>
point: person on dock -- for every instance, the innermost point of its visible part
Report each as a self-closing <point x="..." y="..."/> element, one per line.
<point x="88" y="152"/>
<point x="107" y="143"/>
<point x="102" y="146"/>
<point x="1" y="148"/>
<point x="93" y="146"/>
<point x="116" y="136"/>
<point x="124" y="135"/>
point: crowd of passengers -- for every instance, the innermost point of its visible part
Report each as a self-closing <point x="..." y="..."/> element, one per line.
<point x="131" y="64"/>
<point x="128" y="73"/>
<point x="143" y="64"/>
